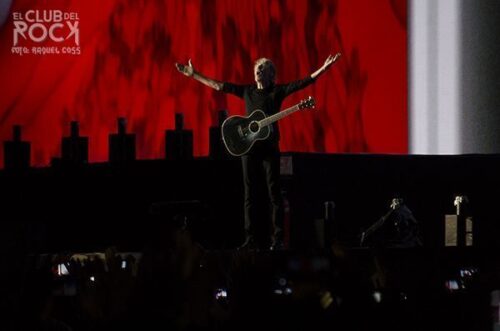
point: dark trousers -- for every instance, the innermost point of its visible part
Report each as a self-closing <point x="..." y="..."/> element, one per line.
<point x="262" y="168"/>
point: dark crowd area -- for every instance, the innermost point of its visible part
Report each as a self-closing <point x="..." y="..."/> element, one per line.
<point x="174" y="283"/>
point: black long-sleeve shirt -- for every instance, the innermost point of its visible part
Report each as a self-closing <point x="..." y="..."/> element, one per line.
<point x="268" y="100"/>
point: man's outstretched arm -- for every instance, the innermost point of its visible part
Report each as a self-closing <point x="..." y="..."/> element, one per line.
<point x="302" y="83"/>
<point x="328" y="62"/>
<point x="189" y="71"/>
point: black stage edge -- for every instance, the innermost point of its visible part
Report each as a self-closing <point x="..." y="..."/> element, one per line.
<point x="93" y="206"/>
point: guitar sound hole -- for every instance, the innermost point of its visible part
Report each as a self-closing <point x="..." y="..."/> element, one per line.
<point x="254" y="127"/>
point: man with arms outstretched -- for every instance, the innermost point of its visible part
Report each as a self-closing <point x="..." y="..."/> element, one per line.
<point x="262" y="162"/>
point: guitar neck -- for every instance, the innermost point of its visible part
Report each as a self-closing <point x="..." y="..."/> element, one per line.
<point x="279" y="115"/>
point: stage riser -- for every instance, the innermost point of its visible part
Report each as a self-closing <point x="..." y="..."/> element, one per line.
<point x="99" y="204"/>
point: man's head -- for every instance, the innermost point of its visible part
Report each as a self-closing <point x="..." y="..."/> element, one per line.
<point x="264" y="72"/>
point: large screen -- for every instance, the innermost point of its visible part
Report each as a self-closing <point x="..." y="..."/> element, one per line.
<point x="93" y="61"/>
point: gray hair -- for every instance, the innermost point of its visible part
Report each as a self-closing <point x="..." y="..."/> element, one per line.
<point x="268" y="62"/>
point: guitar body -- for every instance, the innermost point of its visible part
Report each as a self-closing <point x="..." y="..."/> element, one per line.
<point x="239" y="133"/>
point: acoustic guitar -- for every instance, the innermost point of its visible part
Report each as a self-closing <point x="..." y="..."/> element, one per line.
<point x="240" y="133"/>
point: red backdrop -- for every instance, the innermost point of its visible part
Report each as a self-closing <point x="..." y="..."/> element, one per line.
<point x="126" y="68"/>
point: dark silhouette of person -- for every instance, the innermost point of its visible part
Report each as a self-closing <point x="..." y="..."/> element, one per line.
<point x="262" y="163"/>
<point x="398" y="228"/>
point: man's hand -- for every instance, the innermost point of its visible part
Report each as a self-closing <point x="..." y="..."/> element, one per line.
<point x="187" y="70"/>
<point x="330" y="60"/>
